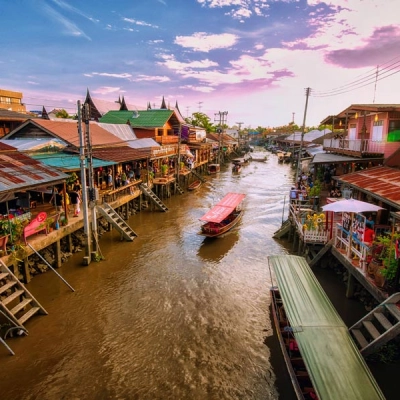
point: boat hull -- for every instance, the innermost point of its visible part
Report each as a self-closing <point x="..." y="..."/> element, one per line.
<point x="212" y="230"/>
<point x="195" y="185"/>
<point x="280" y="322"/>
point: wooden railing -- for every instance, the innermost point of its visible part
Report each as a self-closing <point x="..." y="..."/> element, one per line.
<point x="360" y="146"/>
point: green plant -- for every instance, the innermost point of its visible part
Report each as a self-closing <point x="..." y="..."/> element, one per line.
<point x="316" y="189"/>
<point x="387" y="254"/>
<point x="72" y="179"/>
<point x="164" y="169"/>
<point x="14" y="228"/>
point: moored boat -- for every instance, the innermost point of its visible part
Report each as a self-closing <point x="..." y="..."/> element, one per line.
<point x="223" y="216"/>
<point x="259" y="158"/>
<point x="195" y="185"/>
<point x="320" y="355"/>
<point x="213" y="168"/>
<point x="236" y="168"/>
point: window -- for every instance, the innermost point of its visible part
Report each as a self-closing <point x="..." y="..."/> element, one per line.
<point x="377" y="131"/>
<point x="352" y="132"/>
<point x="394" y="131"/>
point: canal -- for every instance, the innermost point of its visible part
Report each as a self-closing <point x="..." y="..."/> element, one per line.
<point x="171" y="315"/>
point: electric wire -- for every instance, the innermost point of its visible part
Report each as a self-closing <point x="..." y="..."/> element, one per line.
<point x="370" y="77"/>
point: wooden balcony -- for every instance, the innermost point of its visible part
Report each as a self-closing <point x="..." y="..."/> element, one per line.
<point x="164" y="140"/>
<point x="355" y="147"/>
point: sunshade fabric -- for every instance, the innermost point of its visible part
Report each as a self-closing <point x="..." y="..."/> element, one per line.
<point x="223" y="208"/>
<point x="351" y="205"/>
<point x="333" y="361"/>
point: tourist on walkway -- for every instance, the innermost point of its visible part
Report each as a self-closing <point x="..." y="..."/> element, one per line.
<point x="75" y="201"/>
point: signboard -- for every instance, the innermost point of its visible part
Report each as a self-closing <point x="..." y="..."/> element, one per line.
<point x="357" y="227"/>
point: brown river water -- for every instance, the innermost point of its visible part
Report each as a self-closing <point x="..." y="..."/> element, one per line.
<point x="171" y="315"/>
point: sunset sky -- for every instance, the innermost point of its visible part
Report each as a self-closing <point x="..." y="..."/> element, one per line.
<point x="252" y="58"/>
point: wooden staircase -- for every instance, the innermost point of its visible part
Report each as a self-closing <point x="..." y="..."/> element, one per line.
<point x="15" y="300"/>
<point x="150" y="194"/>
<point x="378" y="327"/>
<point x="283" y="230"/>
<point x="178" y="188"/>
<point x="198" y="176"/>
<point x="117" y="221"/>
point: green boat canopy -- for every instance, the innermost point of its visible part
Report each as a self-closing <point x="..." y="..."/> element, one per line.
<point x="333" y="361"/>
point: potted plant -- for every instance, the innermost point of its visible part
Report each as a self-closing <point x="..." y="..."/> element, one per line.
<point x="384" y="259"/>
<point x="164" y="169"/>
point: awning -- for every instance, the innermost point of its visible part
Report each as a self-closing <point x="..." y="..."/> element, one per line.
<point x="223" y="208"/>
<point x="328" y="158"/>
<point x="336" y="367"/>
<point x="67" y="162"/>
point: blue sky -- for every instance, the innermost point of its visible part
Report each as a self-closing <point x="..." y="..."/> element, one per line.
<point x="252" y="58"/>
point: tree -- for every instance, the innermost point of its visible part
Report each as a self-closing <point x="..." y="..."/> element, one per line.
<point x="62" y="114"/>
<point x="201" y="120"/>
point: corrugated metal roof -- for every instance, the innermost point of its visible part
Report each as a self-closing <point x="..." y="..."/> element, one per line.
<point x="121" y="154"/>
<point x="141" y="118"/>
<point x="67" y="132"/>
<point x="308" y="136"/>
<point x="335" y="365"/>
<point x="323" y="158"/>
<point x="123" y="131"/>
<point x="14" y="116"/>
<point x="143" y="143"/>
<point x="380" y="181"/>
<point x="34" y="144"/>
<point x="20" y="172"/>
<point x="67" y="162"/>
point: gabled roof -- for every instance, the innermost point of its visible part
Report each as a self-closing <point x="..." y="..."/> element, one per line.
<point x="66" y="131"/>
<point x="104" y="106"/>
<point x="141" y="118"/>
<point x="20" y="172"/>
<point x="381" y="182"/>
<point x="354" y="108"/>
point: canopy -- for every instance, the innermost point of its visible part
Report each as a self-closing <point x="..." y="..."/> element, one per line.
<point x="351" y="205"/>
<point x="335" y="365"/>
<point x="223" y="208"/>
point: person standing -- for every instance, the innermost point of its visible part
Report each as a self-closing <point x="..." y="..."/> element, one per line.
<point x="75" y="201"/>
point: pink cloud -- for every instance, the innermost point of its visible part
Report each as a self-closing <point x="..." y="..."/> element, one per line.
<point x="382" y="45"/>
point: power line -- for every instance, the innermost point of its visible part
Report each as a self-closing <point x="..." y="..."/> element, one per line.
<point x="365" y="79"/>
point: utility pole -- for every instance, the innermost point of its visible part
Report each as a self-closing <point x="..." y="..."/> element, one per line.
<point x="293" y="113"/>
<point x="91" y="189"/>
<point x="239" y="136"/>
<point x="200" y="103"/>
<point x="82" y="157"/>
<point x="222" y="120"/>
<point x="298" y="169"/>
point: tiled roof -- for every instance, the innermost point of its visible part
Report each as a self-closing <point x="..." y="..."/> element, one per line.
<point x="68" y="132"/>
<point x="141" y="118"/>
<point x="384" y="182"/>
<point x="20" y="172"/>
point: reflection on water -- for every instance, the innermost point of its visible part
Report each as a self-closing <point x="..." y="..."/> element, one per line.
<point x="214" y="249"/>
